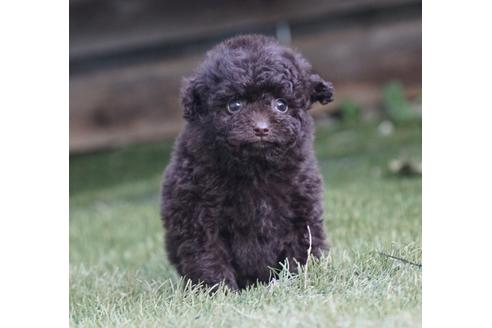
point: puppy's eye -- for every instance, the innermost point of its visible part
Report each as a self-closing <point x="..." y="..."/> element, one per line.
<point x="234" y="106"/>
<point x="280" y="105"/>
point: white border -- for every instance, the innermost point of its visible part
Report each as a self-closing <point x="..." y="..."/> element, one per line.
<point x="457" y="165"/>
<point x="34" y="167"/>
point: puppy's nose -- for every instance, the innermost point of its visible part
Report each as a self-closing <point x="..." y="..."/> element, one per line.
<point x="261" y="129"/>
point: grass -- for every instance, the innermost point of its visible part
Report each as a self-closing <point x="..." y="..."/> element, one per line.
<point x="119" y="275"/>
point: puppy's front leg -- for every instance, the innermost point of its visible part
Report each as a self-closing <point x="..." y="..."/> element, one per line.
<point x="206" y="261"/>
<point x="305" y="242"/>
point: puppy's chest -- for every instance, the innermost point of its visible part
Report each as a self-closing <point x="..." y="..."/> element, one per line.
<point x="264" y="209"/>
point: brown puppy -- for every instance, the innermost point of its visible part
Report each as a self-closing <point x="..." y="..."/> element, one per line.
<point x="243" y="185"/>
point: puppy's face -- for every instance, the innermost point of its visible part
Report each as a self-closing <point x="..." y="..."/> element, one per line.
<point x="251" y="96"/>
<point x="261" y="120"/>
<point x="258" y="122"/>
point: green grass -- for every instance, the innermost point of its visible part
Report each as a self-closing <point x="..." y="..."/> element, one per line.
<point x="119" y="275"/>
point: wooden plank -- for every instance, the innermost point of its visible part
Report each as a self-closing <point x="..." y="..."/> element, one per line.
<point x="107" y="26"/>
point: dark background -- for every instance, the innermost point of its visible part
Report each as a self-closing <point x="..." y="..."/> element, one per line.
<point x="127" y="57"/>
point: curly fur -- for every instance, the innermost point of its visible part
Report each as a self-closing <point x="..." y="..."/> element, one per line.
<point x="233" y="205"/>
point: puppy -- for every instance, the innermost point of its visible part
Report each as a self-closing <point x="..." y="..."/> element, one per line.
<point x="243" y="193"/>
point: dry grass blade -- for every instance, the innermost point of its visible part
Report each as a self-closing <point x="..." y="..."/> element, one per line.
<point x="308" y="256"/>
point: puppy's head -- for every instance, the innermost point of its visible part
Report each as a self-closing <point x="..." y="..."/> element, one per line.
<point x="251" y="95"/>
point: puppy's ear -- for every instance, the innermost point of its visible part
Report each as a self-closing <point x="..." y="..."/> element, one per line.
<point x="190" y="99"/>
<point x="321" y="90"/>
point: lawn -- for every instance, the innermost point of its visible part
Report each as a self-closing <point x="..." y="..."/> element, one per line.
<point x="119" y="274"/>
